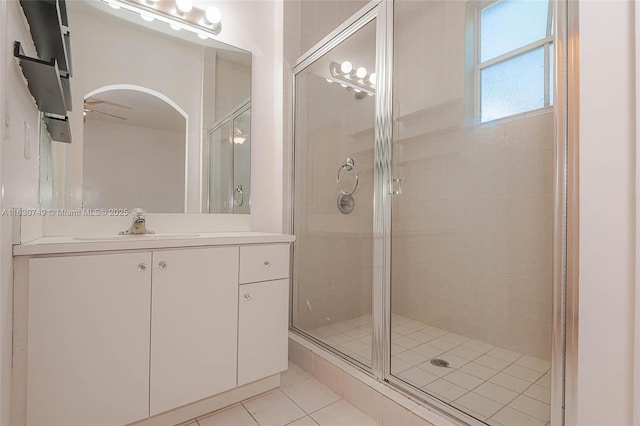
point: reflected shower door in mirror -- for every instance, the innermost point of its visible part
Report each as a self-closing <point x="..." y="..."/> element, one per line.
<point x="333" y="212"/>
<point x="229" y="154"/>
<point x="472" y="231"/>
<point x="141" y="75"/>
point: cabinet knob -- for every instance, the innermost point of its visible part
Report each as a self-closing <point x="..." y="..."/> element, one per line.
<point x="247" y="296"/>
<point x="142" y="267"/>
<point x="162" y="265"/>
<point x="267" y="264"/>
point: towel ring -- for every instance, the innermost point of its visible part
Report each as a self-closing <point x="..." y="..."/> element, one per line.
<point x="238" y="190"/>
<point x="348" y="166"/>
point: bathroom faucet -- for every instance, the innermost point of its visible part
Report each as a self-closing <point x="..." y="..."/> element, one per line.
<point x="138" y="227"/>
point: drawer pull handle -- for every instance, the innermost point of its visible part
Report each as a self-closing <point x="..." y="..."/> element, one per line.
<point x="142" y="267"/>
<point x="162" y="265"/>
<point x="247" y="296"/>
<point x="267" y="264"/>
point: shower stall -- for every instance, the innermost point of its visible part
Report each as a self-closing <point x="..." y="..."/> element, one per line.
<point x="429" y="176"/>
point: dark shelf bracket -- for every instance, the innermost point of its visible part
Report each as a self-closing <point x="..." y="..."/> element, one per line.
<point x="45" y="19"/>
<point x="58" y="128"/>
<point x="44" y="81"/>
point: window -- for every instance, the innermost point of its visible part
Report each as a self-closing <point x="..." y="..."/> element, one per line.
<point x="513" y="58"/>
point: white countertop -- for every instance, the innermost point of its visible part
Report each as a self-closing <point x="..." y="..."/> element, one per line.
<point x="55" y="245"/>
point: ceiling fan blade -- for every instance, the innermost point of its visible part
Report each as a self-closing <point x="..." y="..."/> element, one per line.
<point x="104" y="113"/>
<point x="95" y="101"/>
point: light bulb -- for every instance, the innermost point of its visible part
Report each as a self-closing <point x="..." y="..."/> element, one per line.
<point x="357" y="90"/>
<point x="213" y="15"/>
<point x="346" y="67"/>
<point x="329" y="80"/>
<point x="175" y="26"/>
<point x="343" y="85"/>
<point x="372" y="78"/>
<point x="361" y="72"/>
<point x="203" y="36"/>
<point x="146" y="17"/>
<point x="184" y="5"/>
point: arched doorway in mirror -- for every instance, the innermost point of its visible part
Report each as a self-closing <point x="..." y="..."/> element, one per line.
<point x="134" y="150"/>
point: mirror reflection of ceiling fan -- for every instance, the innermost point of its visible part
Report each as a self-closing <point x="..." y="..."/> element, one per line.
<point x="90" y="103"/>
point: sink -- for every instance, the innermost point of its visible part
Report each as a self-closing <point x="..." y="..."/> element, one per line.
<point x="132" y="237"/>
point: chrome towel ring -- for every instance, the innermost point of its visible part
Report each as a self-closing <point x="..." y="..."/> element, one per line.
<point x="349" y="165"/>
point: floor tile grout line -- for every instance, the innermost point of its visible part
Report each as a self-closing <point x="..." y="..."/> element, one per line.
<point x="249" y="412"/>
<point x="305" y="411"/>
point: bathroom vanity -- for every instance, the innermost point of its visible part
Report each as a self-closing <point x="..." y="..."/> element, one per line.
<point x="115" y="330"/>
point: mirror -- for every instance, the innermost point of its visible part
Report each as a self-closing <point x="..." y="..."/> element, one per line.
<point x="151" y="109"/>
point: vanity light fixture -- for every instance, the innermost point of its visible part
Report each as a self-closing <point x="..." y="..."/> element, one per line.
<point x="178" y="14"/>
<point x="184" y="6"/>
<point x="357" y="80"/>
<point x="212" y="15"/>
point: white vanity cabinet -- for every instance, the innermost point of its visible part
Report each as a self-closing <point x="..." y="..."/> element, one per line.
<point x="88" y="339"/>
<point x="116" y="337"/>
<point x="193" y="325"/>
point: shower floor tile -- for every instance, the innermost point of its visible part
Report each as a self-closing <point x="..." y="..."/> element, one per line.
<point x="494" y="384"/>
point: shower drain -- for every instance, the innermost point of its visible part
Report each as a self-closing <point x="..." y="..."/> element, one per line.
<point x="439" y="362"/>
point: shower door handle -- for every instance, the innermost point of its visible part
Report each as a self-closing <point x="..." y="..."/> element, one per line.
<point x="395" y="186"/>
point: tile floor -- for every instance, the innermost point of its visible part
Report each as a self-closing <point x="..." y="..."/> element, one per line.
<point x="495" y="385"/>
<point x="300" y="400"/>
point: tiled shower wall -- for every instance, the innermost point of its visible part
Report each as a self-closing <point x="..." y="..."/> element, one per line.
<point x="472" y="233"/>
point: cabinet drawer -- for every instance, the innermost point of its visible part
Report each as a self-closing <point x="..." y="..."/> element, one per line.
<point x="263" y="263"/>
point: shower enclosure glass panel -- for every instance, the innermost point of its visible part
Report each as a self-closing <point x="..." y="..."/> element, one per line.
<point x="333" y="213"/>
<point x="472" y="231"/>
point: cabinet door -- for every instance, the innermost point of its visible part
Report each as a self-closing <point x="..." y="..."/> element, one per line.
<point x="193" y="325"/>
<point x="263" y="330"/>
<point x="88" y="348"/>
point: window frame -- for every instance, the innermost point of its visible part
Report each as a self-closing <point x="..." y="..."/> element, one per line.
<point x="475" y="65"/>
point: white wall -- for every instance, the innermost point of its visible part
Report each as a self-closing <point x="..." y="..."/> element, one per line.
<point x="127" y="165"/>
<point x="18" y="175"/>
<point x="607" y="224"/>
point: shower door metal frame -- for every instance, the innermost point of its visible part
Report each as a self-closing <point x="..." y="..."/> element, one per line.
<point x="566" y="219"/>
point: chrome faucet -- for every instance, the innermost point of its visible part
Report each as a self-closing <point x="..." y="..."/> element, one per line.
<point x="139" y="226"/>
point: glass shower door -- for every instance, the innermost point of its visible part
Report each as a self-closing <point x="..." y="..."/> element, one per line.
<point x="333" y="193"/>
<point x="472" y="230"/>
